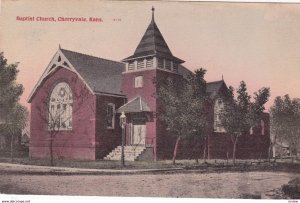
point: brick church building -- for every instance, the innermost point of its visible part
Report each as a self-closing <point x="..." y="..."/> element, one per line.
<point x="78" y="100"/>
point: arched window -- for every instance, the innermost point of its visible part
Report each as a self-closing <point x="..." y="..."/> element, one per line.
<point x="262" y="124"/>
<point x="218" y="107"/>
<point x="60" y="107"/>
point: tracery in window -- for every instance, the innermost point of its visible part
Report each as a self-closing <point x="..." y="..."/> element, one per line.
<point x="60" y="107"/>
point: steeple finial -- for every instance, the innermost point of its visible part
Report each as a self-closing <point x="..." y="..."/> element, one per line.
<point x="152" y="9"/>
<point x="222" y="78"/>
<point x="59" y="47"/>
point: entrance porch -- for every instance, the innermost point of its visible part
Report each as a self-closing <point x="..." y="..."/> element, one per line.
<point x="139" y="132"/>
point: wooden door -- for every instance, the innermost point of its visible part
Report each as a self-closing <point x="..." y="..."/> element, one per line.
<point x="139" y="134"/>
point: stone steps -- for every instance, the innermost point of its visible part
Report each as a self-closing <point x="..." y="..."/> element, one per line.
<point x="131" y="153"/>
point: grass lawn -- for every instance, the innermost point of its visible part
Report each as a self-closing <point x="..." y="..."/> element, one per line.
<point x="97" y="164"/>
<point x="165" y="164"/>
<point x="107" y="164"/>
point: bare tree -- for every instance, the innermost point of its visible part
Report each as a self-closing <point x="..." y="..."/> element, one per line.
<point x="59" y="107"/>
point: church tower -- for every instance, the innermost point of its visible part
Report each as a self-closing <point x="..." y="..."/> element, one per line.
<point x="151" y="54"/>
<point x="151" y="62"/>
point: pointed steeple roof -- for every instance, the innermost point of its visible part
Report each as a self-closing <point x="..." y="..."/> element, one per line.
<point x="153" y="44"/>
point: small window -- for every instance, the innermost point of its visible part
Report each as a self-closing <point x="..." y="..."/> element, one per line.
<point x="251" y="131"/>
<point x="110" y="116"/>
<point x="175" y="67"/>
<point x="160" y="63"/>
<point x="131" y="66"/>
<point x="140" y="64"/>
<point x="138" y="81"/>
<point x="149" y="62"/>
<point x="167" y="64"/>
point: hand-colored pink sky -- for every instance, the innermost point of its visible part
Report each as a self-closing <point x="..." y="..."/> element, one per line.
<point x="255" y="42"/>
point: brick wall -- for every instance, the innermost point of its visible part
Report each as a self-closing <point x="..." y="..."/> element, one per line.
<point x="78" y="143"/>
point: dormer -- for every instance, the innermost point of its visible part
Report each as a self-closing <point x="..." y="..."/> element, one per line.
<point x="152" y="52"/>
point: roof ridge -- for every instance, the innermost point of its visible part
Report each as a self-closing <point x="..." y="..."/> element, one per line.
<point x="153" y="27"/>
<point x="93" y="56"/>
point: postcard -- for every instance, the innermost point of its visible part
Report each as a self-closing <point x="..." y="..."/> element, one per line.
<point x="149" y="99"/>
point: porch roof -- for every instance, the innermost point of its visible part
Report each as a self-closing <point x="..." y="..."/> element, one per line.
<point x="135" y="105"/>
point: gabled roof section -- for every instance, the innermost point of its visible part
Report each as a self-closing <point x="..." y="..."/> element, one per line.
<point x="135" y="105"/>
<point x="213" y="88"/>
<point x="153" y="44"/>
<point x="102" y="75"/>
<point x="185" y="72"/>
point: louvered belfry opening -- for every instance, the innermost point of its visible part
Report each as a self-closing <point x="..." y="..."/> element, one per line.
<point x="152" y="52"/>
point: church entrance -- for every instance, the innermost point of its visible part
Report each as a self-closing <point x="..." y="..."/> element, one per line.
<point x="138" y="132"/>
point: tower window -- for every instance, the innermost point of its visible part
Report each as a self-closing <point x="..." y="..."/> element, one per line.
<point x="167" y="64"/>
<point x="160" y="63"/>
<point x="140" y="64"/>
<point x="131" y="66"/>
<point x="138" y="81"/>
<point x="149" y="62"/>
<point x="175" y="67"/>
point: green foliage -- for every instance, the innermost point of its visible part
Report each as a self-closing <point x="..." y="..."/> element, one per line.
<point x="285" y="120"/>
<point x="185" y="105"/>
<point x="10" y="91"/>
<point x="240" y="114"/>
<point x="258" y="106"/>
<point x="16" y="119"/>
<point x="13" y="115"/>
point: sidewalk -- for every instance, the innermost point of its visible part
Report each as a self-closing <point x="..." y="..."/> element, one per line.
<point x="33" y="169"/>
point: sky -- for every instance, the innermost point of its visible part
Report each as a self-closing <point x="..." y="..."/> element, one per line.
<point x="255" y="42"/>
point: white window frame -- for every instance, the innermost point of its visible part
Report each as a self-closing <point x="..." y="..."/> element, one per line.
<point x="113" y="115"/>
<point x="60" y="96"/>
<point x="138" y="82"/>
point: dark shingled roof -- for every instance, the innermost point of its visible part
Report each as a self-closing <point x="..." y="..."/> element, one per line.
<point x="185" y="72"/>
<point x="213" y="87"/>
<point x="135" y="105"/>
<point x="102" y="75"/>
<point x="153" y="44"/>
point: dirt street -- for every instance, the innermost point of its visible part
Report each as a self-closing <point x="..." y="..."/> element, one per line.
<point x="209" y="185"/>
